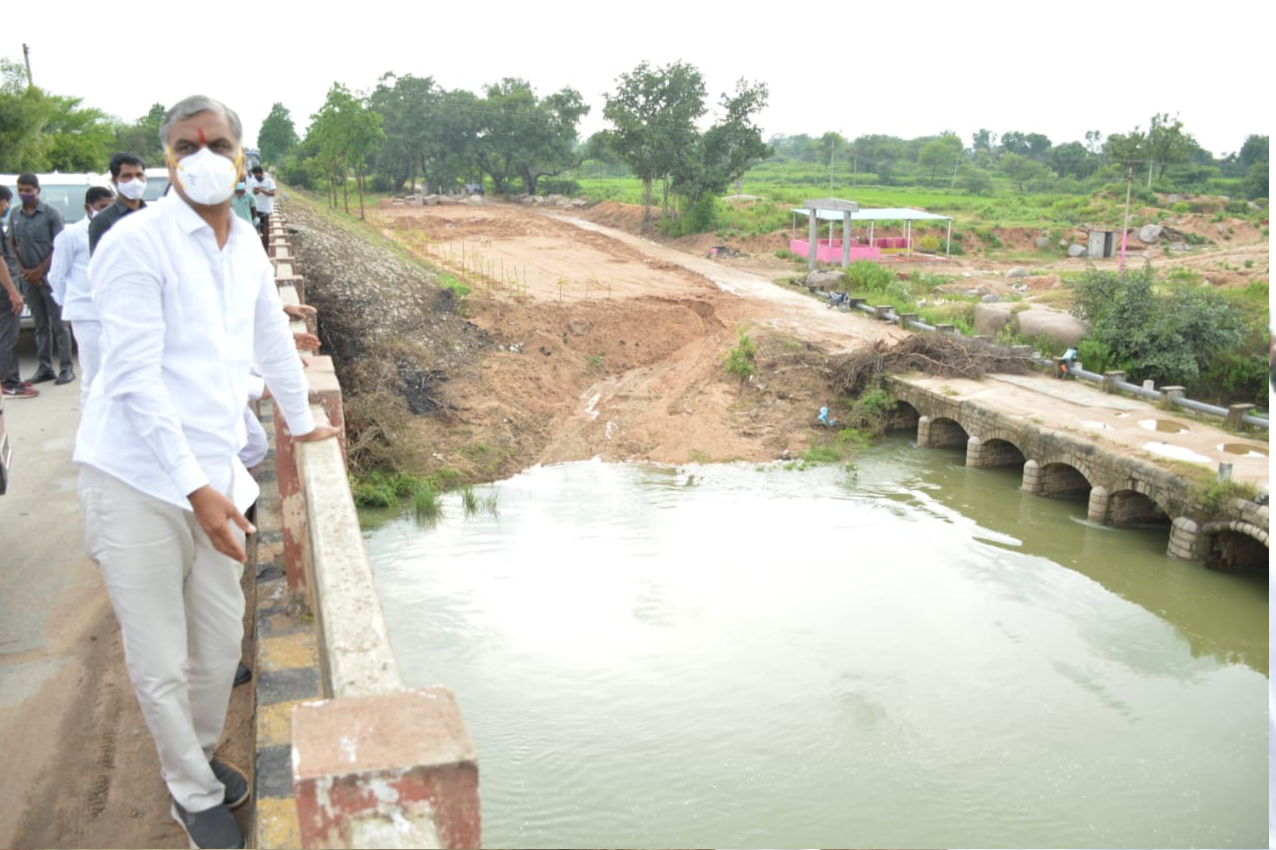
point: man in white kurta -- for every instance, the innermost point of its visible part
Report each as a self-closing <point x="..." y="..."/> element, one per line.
<point x="188" y="304"/>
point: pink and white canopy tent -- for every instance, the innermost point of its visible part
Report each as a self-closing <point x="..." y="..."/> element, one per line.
<point x="830" y="250"/>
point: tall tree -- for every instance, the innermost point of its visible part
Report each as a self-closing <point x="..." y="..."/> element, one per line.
<point x="278" y="136"/>
<point x="346" y="133"/>
<point x="1167" y="143"/>
<point x="940" y="155"/>
<point x="24" y="112"/>
<point x="526" y="138"/>
<point x="79" y="138"/>
<point x="653" y="114"/>
<point x="408" y="106"/>
<point x="142" y="136"/>
<point x="728" y="148"/>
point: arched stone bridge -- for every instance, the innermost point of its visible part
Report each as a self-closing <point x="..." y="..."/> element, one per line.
<point x="1038" y="424"/>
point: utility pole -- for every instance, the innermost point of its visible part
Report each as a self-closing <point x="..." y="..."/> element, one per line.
<point x="26" y="57"/>
<point x="855" y="168"/>
<point x="832" y="153"/>
<point x="1129" y="182"/>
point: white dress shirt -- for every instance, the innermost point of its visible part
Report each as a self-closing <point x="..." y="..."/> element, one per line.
<point x="183" y="322"/>
<point x="265" y="203"/>
<point x="69" y="272"/>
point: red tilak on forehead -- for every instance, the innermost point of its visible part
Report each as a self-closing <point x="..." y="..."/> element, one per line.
<point x="202" y="140"/>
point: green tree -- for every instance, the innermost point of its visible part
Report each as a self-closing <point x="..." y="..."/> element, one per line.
<point x="1166" y="143"/>
<point x="79" y="139"/>
<point x="24" y="111"/>
<point x="976" y="181"/>
<point x="653" y="114"/>
<point x="1166" y="335"/>
<point x="408" y="106"/>
<point x="277" y="137"/>
<point x="939" y="155"/>
<point x="345" y="133"/>
<point x="525" y="138"/>
<point x="728" y="148"/>
<point x="142" y="136"/>
<point x="1253" y="151"/>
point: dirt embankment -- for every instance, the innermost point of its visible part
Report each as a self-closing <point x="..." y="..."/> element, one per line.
<point x="572" y="343"/>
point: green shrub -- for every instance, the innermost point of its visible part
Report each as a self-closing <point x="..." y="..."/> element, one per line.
<point x="866" y="275"/>
<point x="739" y="360"/>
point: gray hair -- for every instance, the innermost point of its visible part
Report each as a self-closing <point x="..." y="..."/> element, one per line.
<point x="194" y="105"/>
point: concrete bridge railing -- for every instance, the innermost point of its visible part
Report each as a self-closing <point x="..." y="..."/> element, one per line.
<point x="374" y="764"/>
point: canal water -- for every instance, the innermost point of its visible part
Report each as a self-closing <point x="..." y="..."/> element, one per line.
<point x="915" y="654"/>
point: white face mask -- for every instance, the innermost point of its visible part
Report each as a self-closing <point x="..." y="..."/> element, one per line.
<point x="207" y="178"/>
<point x="132" y="189"/>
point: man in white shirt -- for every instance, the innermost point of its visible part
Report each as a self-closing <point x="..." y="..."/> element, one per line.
<point x="187" y="304"/>
<point x="69" y="278"/>
<point x="262" y="188"/>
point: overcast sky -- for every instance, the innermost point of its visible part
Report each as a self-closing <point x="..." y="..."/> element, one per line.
<point x="905" y="71"/>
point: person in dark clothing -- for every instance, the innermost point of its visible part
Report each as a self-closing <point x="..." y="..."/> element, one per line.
<point x="128" y="175"/>
<point x="11" y="303"/>
<point x="31" y="233"/>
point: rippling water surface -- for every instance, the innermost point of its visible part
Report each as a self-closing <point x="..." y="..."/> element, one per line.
<point x="918" y="655"/>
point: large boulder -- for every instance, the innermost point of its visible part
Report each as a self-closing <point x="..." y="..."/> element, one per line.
<point x="991" y="318"/>
<point x="1064" y="329"/>
<point x="1149" y="233"/>
<point x="823" y="279"/>
<point x="1075" y="250"/>
<point x="1017" y="272"/>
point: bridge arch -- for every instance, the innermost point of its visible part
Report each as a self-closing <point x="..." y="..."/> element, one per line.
<point x="940" y="432"/>
<point x="1055" y="479"/>
<point x="985" y="452"/>
<point x="1235" y="545"/>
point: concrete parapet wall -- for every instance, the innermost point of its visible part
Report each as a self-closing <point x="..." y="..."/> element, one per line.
<point x="374" y="764"/>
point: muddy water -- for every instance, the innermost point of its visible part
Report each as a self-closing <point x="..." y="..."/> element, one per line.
<point x="918" y="655"/>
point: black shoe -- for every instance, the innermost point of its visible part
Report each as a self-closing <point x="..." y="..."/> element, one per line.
<point x="236" y="783"/>
<point x="243" y="674"/>
<point x="66" y="376"/>
<point x="215" y="827"/>
<point x="41" y="377"/>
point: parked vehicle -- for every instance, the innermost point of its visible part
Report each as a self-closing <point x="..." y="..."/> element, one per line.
<point x="840" y="300"/>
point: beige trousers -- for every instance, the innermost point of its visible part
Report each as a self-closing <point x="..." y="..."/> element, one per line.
<point x="180" y="609"/>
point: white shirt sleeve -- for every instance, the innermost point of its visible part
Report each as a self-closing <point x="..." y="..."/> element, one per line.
<point x="129" y="297"/>
<point x="276" y="357"/>
<point x="61" y="264"/>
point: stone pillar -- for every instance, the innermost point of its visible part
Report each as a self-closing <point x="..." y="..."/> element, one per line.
<point x="1168" y="395"/>
<point x="856" y="302"/>
<point x="1033" y="480"/>
<point x="907" y="319"/>
<point x="923" y="432"/>
<point x="1110" y="379"/>
<point x="1236" y="414"/>
<point x="812" y="236"/>
<point x="390" y="770"/>
<point x="882" y="311"/>
<point x="1185" y="540"/>
<point x="1099" y="502"/>
<point x="975" y="454"/>
<point x="946" y="329"/>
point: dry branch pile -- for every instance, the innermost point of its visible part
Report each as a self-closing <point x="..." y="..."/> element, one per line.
<point x="942" y="354"/>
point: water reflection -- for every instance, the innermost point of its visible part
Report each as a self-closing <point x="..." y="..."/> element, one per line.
<point x="721" y="656"/>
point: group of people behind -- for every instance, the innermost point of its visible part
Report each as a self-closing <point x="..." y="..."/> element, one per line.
<point x="46" y="266"/>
